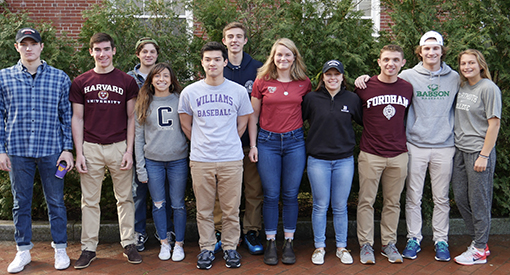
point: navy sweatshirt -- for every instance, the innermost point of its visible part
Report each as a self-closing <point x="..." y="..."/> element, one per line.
<point x="244" y="75"/>
<point x="331" y="135"/>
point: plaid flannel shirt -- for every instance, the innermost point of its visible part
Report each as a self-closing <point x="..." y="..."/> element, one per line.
<point x="35" y="113"/>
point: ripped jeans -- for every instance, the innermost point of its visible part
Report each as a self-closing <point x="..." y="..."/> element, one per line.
<point x="177" y="174"/>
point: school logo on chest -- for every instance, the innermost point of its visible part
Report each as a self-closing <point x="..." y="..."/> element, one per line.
<point x="103" y="95"/>
<point x="271" y="89"/>
<point x="389" y="111"/>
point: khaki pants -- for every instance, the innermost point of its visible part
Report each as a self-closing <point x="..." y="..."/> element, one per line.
<point x="253" y="195"/>
<point x="439" y="162"/>
<point x="224" y="179"/>
<point x="98" y="156"/>
<point x="391" y="172"/>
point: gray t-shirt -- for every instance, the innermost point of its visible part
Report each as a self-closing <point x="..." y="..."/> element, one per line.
<point x="475" y="105"/>
<point x="160" y="138"/>
<point x="214" y="136"/>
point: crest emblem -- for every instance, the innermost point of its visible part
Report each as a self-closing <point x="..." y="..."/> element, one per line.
<point x="271" y="89"/>
<point x="249" y="86"/>
<point x="103" y="95"/>
<point x="433" y="87"/>
<point x="389" y="111"/>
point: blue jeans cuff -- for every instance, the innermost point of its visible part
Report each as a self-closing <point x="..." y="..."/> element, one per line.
<point x="341" y="244"/>
<point x="25" y="247"/>
<point x="58" y="245"/>
<point x="318" y="245"/>
<point x="271" y="232"/>
<point x="289" y="230"/>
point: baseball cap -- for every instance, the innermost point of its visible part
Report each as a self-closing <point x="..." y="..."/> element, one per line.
<point x="28" y="32"/>
<point x="145" y="40"/>
<point x="431" y="34"/>
<point x="333" y="64"/>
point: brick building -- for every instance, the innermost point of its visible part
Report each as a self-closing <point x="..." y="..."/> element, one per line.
<point x="66" y="15"/>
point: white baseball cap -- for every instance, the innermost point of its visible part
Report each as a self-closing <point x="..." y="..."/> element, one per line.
<point x="431" y="34"/>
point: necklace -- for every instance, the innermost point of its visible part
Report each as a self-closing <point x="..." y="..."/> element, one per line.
<point x="285" y="88"/>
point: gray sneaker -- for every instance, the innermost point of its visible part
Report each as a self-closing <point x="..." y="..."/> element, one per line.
<point x="391" y="252"/>
<point x="366" y="255"/>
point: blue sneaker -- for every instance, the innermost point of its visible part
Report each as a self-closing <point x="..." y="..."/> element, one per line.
<point x="205" y="259"/>
<point x="232" y="258"/>
<point x="412" y="248"/>
<point x="217" y="247"/>
<point x="442" y="252"/>
<point x="252" y="242"/>
<point x="140" y="241"/>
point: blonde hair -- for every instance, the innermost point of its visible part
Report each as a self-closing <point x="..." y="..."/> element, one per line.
<point x="298" y="69"/>
<point x="484" y="68"/>
<point x="146" y="93"/>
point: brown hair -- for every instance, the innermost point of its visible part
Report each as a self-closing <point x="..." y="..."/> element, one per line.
<point x="144" y="41"/>
<point x="322" y="85"/>
<point x="392" y="48"/>
<point x="146" y="94"/>
<point x="444" y="50"/>
<point x="101" y="37"/>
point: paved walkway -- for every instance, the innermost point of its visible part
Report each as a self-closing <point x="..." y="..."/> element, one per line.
<point x="111" y="261"/>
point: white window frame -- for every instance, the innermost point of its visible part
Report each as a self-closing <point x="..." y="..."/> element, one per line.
<point x="188" y="15"/>
<point x="375" y="14"/>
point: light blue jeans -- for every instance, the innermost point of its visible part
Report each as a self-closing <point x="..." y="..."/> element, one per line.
<point x="176" y="174"/>
<point x="330" y="180"/>
<point x="22" y="186"/>
<point x="282" y="159"/>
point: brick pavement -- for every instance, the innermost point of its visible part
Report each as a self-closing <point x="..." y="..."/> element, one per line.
<point x="111" y="261"/>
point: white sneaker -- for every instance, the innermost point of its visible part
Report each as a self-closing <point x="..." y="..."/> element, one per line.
<point x="318" y="256"/>
<point x="164" y="253"/>
<point x="471" y="256"/>
<point x="178" y="254"/>
<point x="62" y="261"/>
<point x="344" y="256"/>
<point x="20" y="261"/>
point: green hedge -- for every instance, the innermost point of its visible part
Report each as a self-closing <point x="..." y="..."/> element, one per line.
<point x="322" y="30"/>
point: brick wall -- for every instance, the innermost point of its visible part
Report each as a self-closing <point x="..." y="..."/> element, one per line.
<point x="385" y="20"/>
<point x="65" y="14"/>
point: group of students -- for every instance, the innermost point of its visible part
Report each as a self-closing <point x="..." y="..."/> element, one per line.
<point x="424" y="118"/>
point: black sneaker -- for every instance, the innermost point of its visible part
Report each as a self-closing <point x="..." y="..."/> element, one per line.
<point x="85" y="259"/>
<point x="252" y="242"/>
<point x="140" y="241"/>
<point x="131" y="253"/>
<point x="270" y="255"/>
<point x="205" y="259"/>
<point x="288" y="256"/>
<point x="232" y="258"/>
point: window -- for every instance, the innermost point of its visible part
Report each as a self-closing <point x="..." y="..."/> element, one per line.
<point x="371" y="10"/>
<point x="180" y="9"/>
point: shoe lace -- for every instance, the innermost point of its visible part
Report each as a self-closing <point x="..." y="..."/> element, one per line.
<point x="441" y="247"/>
<point x="130" y="248"/>
<point x="412" y="245"/>
<point x="60" y="253"/>
<point x="252" y="238"/>
<point x="141" y="237"/>
<point x="232" y="255"/>
<point x="205" y="254"/>
<point x="391" y="249"/>
<point x="317" y="252"/>
<point x="366" y="249"/>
